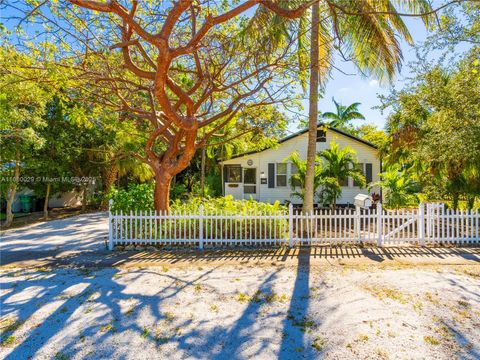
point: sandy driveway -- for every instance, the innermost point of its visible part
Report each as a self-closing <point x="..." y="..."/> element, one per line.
<point x="77" y="233"/>
<point x="241" y="312"/>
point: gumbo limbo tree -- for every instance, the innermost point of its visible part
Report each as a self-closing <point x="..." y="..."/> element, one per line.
<point x="174" y="68"/>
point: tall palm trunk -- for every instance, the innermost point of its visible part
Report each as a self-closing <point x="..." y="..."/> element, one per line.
<point x="109" y="177"/>
<point x="12" y="191"/>
<point x="313" y="111"/>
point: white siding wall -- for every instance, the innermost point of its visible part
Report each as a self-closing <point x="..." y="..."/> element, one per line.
<point x="365" y="154"/>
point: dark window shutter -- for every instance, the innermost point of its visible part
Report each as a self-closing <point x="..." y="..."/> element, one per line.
<point x="368" y="173"/>
<point x="271" y="175"/>
<point x="225" y="173"/>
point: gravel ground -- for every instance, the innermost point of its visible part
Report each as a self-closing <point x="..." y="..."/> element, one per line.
<point x="241" y="311"/>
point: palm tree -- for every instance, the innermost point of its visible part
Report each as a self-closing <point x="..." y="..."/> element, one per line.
<point x="398" y="187"/>
<point x="370" y="38"/>
<point x="297" y="180"/>
<point x="343" y="115"/>
<point x="340" y="164"/>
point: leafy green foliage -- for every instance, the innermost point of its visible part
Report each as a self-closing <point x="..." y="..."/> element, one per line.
<point x="343" y="114"/>
<point x="340" y="164"/>
<point x="399" y="189"/>
<point x="434" y="129"/>
<point x="136" y="197"/>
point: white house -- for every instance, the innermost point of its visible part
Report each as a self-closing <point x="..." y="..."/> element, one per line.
<point x="265" y="176"/>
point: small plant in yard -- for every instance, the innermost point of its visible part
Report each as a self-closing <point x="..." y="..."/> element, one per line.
<point x="242" y="297"/>
<point x="198" y="288"/>
<point x="431" y="340"/>
<point x="165" y="269"/>
<point x="382" y="293"/>
<point x="145" y="333"/>
<point x="305" y="324"/>
<point x="214" y="307"/>
<point x="61" y="356"/>
<point x="362" y="337"/>
<point x="107" y="328"/>
<point x="318" y="344"/>
<point x="169" y="316"/>
<point x="9" y="324"/>
<point x="382" y="354"/>
<point x="9" y="340"/>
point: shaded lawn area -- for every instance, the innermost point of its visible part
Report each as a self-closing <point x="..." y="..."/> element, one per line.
<point x="240" y="312"/>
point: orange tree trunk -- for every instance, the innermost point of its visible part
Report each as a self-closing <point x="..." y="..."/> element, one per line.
<point x="161" y="198"/>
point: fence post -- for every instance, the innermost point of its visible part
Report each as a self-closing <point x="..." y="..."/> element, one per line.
<point x="110" y="226"/>
<point x="290" y="225"/>
<point x="421" y="224"/>
<point x="357" y="223"/>
<point x="379" y="224"/>
<point x="200" y="235"/>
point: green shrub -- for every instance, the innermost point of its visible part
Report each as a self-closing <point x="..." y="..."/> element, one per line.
<point x="136" y="197"/>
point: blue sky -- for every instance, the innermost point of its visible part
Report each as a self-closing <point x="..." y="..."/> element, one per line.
<point x="348" y="89"/>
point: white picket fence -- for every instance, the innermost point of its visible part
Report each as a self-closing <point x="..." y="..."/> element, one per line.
<point x="429" y="224"/>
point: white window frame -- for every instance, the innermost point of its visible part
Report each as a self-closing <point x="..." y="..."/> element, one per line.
<point x="277" y="174"/>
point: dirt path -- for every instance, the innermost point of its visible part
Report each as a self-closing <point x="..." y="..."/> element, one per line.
<point x="84" y="232"/>
<point x="241" y="312"/>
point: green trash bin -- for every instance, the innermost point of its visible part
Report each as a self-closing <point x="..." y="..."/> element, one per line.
<point x="26" y="201"/>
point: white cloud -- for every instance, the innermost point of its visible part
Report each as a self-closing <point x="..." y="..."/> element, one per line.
<point x="373" y="83"/>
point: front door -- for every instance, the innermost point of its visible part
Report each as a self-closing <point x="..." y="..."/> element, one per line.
<point x="250" y="183"/>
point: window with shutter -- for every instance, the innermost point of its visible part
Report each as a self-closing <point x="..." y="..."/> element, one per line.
<point x="281" y="174"/>
<point x="293" y="171"/>
<point x="361" y="166"/>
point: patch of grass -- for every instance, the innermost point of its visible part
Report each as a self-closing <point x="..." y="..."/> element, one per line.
<point x="9" y="324"/>
<point x="214" y="307"/>
<point x="318" y="344"/>
<point x="305" y="324"/>
<point x="9" y="340"/>
<point x="84" y="271"/>
<point x="165" y="269"/>
<point x="61" y="356"/>
<point x="418" y="306"/>
<point x="145" y="333"/>
<point x="362" y="338"/>
<point x="94" y="296"/>
<point x="276" y="298"/>
<point x="107" y="328"/>
<point x="431" y="340"/>
<point x="169" y="316"/>
<point x="432" y="298"/>
<point x="242" y="297"/>
<point x="382" y="354"/>
<point x="162" y="339"/>
<point x="383" y="293"/>
<point x="89" y="310"/>
<point x="463" y="303"/>
<point x="198" y="288"/>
